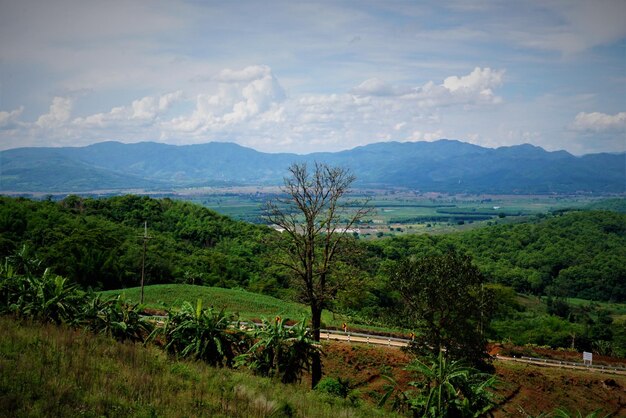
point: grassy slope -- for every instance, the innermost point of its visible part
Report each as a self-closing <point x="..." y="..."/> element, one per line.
<point x="247" y="305"/>
<point x="47" y="370"/>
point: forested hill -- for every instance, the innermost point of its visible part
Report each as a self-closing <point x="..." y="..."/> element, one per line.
<point x="573" y="254"/>
<point x="442" y="166"/>
<point x="97" y="243"/>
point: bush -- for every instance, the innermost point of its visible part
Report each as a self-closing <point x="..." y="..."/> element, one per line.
<point x="281" y="351"/>
<point x="116" y="318"/>
<point x="203" y="334"/>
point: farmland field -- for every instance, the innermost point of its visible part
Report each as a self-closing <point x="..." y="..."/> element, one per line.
<point x="400" y="212"/>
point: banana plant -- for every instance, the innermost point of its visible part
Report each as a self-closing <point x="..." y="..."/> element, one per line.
<point x="115" y="317"/>
<point x="281" y="351"/>
<point x="445" y="388"/>
<point x="203" y="334"/>
<point x="48" y="298"/>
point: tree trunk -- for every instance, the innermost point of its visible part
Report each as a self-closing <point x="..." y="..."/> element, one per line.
<point x="316" y="363"/>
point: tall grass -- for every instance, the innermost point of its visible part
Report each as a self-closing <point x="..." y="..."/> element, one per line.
<point x="47" y="370"/>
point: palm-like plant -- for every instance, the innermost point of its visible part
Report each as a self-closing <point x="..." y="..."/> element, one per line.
<point x="449" y="388"/>
<point x="281" y="351"/>
<point x="48" y="298"/>
<point x="116" y="318"/>
<point x="203" y="334"/>
<point x="8" y="285"/>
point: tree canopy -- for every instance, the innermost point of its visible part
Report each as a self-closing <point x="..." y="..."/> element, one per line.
<point x="446" y="303"/>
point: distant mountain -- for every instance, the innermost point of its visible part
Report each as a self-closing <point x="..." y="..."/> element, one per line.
<point x="443" y="166"/>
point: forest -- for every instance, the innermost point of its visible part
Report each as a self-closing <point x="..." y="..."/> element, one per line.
<point x="97" y="244"/>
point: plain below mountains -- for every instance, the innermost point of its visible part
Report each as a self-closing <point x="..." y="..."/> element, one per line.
<point x="441" y="166"/>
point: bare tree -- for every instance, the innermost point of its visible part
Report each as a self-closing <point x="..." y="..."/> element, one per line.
<point x="317" y="219"/>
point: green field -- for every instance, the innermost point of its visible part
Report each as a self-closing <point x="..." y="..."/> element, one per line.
<point x="246" y="305"/>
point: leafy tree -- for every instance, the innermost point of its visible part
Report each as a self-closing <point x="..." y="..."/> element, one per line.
<point x="444" y="388"/>
<point x="48" y="297"/>
<point x="316" y="222"/>
<point x="444" y="295"/>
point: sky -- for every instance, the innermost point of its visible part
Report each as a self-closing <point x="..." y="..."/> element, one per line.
<point x="307" y="76"/>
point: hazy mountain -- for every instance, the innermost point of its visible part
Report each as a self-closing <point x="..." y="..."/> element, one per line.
<point x="444" y="166"/>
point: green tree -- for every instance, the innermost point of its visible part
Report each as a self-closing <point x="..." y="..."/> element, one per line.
<point x="316" y="220"/>
<point x="444" y="296"/>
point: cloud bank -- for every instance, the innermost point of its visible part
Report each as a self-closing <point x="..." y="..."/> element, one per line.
<point x="250" y="106"/>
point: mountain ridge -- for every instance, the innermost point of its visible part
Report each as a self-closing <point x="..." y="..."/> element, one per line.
<point x="445" y="165"/>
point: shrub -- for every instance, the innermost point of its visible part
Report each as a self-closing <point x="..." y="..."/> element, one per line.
<point x="116" y="318"/>
<point x="281" y="351"/>
<point x="203" y="334"/>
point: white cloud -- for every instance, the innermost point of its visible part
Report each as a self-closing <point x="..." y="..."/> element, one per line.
<point x="248" y="74"/>
<point x="9" y="120"/>
<point x="242" y="95"/>
<point x="146" y="109"/>
<point x="375" y="87"/>
<point x="471" y="89"/>
<point x="59" y="113"/>
<point x="599" y="122"/>
<point x="480" y="80"/>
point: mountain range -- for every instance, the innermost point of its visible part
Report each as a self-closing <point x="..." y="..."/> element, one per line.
<point x="443" y="166"/>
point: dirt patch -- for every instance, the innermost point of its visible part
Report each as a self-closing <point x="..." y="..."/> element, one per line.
<point x="365" y="366"/>
<point x="536" y="389"/>
<point x="522" y="389"/>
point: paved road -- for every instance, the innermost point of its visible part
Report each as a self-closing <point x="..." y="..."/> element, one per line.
<point x="362" y="338"/>
<point x="563" y="365"/>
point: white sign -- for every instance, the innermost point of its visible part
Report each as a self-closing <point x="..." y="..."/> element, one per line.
<point x="587" y="357"/>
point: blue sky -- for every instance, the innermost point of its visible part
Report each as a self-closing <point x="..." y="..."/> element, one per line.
<point x="293" y="76"/>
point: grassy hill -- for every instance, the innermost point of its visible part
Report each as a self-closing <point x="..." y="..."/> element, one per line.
<point x="247" y="305"/>
<point x="54" y="371"/>
<point x="47" y="370"/>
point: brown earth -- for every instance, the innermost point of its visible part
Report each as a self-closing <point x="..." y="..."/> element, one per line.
<point x="521" y="390"/>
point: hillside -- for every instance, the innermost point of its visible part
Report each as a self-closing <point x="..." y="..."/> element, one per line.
<point x="55" y="371"/>
<point x="108" y="378"/>
<point x="96" y="242"/>
<point x="443" y="166"/>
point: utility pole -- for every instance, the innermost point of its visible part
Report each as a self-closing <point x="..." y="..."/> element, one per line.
<point x="143" y="258"/>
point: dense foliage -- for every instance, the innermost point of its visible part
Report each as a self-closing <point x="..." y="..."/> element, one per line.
<point x="97" y="242"/>
<point x="202" y="334"/>
<point x="444" y="296"/>
<point x="281" y="351"/>
<point x="575" y="254"/>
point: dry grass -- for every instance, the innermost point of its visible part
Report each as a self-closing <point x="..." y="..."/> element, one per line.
<point x="47" y="370"/>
